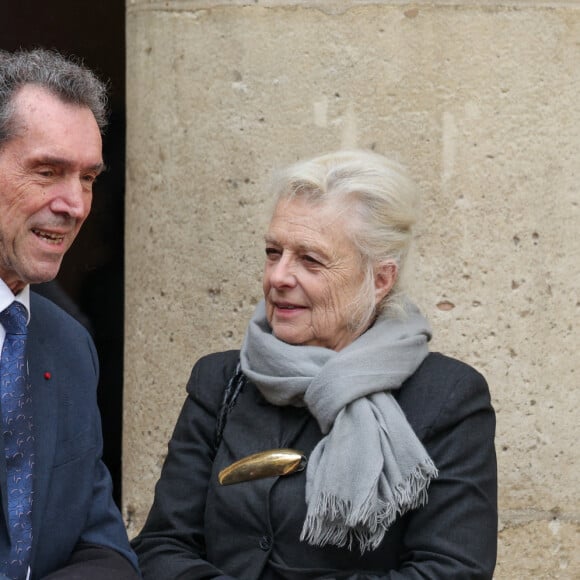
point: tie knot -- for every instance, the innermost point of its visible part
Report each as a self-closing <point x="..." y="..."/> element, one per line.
<point x="14" y="318"/>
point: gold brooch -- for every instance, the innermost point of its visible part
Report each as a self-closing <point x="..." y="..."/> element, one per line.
<point x="271" y="463"/>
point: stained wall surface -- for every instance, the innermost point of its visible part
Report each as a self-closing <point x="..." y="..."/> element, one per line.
<point x="480" y="99"/>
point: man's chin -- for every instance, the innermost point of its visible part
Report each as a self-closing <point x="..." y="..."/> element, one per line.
<point x="46" y="273"/>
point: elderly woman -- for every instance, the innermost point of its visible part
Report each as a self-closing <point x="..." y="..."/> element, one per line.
<point x="333" y="445"/>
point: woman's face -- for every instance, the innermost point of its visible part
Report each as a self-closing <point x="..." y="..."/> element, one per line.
<point x="313" y="274"/>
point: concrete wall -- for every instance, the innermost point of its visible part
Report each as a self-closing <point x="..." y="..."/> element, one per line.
<point x="480" y="99"/>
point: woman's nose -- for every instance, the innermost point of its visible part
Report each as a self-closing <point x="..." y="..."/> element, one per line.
<point x="282" y="273"/>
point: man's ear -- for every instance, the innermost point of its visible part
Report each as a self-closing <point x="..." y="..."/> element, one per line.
<point x="385" y="278"/>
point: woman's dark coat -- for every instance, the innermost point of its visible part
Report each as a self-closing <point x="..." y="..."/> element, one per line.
<point x="198" y="529"/>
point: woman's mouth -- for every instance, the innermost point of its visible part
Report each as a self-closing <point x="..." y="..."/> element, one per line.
<point x="287" y="310"/>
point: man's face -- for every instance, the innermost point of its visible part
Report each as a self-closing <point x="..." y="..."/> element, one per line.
<point x="47" y="170"/>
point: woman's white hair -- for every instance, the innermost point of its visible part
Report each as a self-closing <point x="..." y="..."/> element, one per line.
<point x="380" y="203"/>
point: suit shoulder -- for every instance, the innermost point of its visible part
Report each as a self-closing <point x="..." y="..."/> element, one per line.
<point x="443" y="389"/>
<point x="439" y="368"/>
<point x="210" y="375"/>
<point x="46" y="314"/>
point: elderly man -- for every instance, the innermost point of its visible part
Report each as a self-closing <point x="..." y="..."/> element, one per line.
<point x="57" y="517"/>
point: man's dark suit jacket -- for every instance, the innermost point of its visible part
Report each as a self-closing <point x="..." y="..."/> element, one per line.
<point x="75" y="521"/>
<point x="250" y="531"/>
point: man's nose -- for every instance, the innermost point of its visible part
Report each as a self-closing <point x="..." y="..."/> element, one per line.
<point x="72" y="198"/>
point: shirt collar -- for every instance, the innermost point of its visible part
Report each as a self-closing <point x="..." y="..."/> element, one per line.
<point x="6" y="297"/>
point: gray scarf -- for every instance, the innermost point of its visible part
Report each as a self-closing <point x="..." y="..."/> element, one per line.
<point x="387" y="470"/>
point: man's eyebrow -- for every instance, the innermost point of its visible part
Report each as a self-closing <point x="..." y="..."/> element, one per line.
<point x="61" y="162"/>
<point x="100" y="168"/>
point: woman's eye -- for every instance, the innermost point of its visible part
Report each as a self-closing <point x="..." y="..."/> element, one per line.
<point x="310" y="260"/>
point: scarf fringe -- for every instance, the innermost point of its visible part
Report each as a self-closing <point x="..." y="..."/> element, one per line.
<point x="335" y="521"/>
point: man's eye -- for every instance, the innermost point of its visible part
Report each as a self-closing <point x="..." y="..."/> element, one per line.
<point x="272" y="252"/>
<point x="46" y="172"/>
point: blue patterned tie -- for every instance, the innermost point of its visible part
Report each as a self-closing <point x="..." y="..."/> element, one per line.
<point x="16" y="403"/>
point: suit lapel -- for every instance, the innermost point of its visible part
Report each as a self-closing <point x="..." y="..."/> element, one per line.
<point x="45" y="404"/>
<point x="3" y="485"/>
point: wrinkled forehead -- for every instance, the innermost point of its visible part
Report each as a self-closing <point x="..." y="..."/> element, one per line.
<point x="35" y="104"/>
<point x="47" y="128"/>
<point x="323" y="222"/>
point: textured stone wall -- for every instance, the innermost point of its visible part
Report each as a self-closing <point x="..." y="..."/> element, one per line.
<point x="480" y="99"/>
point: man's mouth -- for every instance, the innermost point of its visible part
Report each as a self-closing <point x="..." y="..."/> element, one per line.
<point x="50" y="237"/>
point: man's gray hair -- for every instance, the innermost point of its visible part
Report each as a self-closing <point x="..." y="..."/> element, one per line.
<point x="66" y="78"/>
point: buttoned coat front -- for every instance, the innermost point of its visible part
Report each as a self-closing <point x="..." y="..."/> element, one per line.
<point x="199" y="529"/>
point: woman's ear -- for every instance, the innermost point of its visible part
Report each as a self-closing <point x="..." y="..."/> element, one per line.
<point x="385" y="278"/>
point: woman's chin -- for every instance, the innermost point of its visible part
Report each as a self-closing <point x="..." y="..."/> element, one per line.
<point x="287" y="338"/>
